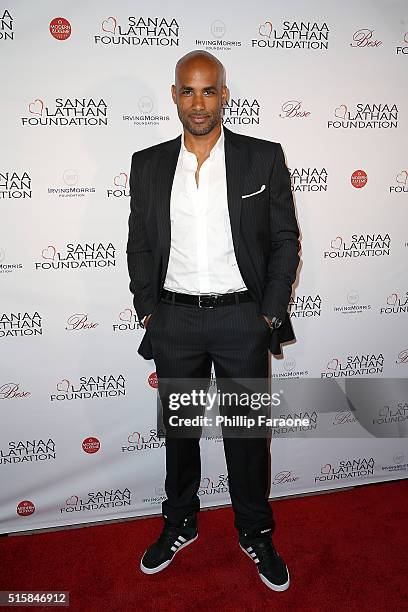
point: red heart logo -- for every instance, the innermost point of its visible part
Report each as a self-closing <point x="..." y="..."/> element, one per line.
<point x="333" y="364"/>
<point x="63" y="385"/>
<point x="134" y="438"/>
<point x="325" y="469"/>
<point x="266" y="29"/>
<point x="121" y="180"/>
<point x="72" y="501"/>
<point x="36" y="107"/>
<point x="402" y="177"/>
<point x="204" y="483"/>
<point x="392" y="299"/>
<point x="336" y="243"/>
<point x="340" y="111"/>
<point x="125" y="315"/>
<point x="109" y="25"/>
<point x="49" y="252"/>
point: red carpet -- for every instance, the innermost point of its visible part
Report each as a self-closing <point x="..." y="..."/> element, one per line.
<point x="345" y="551"/>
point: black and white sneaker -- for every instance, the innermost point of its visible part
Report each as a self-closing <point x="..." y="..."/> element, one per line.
<point x="271" y="567"/>
<point x="172" y="539"/>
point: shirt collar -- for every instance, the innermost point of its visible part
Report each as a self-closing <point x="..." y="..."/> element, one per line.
<point x="219" y="145"/>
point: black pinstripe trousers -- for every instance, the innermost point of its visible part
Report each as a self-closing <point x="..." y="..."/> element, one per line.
<point x="186" y="340"/>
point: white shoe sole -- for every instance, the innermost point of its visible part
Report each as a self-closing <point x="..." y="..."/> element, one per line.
<point x="271" y="585"/>
<point x="159" y="568"/>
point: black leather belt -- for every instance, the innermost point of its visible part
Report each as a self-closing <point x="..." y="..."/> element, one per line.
<point x="207" y="300"/>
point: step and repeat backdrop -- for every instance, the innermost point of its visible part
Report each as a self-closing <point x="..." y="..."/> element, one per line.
<point x="87" y="84"/>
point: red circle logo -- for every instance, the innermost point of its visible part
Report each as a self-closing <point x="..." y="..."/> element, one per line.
<point x="25" y="508"/>
<point x="152" y="380"/>
<point x="60" y="28"/>
<point x="359" y="179"/>
<point x="91" y="445"/>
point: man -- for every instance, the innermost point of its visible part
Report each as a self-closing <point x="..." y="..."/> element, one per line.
<point x="212" y="255"/>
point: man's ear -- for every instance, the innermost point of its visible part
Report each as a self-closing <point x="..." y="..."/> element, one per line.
<point x="173" y="93"/>
<point x="225" y="94"/>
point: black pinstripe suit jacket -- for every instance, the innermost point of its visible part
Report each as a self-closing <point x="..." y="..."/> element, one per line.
<point x="264" y="227"/>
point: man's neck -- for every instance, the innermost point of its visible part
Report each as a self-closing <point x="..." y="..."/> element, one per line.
<point x="201" y="145"/>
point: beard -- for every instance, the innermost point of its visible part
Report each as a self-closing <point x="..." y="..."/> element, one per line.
<point x="200" y="130"/>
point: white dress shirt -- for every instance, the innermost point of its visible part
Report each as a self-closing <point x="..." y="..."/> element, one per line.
<point x="202" y="257"/>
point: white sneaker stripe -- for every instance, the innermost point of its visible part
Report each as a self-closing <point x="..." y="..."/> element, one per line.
<point x="182" y="539"/>
<point x="173" y="548"/>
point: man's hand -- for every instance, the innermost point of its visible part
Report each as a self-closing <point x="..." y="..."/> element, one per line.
<point x="146" y="320"/>
<point x="267" y="320"/>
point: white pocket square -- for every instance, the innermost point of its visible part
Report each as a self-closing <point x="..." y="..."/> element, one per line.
<point x="255" y="193"/>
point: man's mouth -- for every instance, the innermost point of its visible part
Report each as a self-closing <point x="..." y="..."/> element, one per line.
<point x="198" y="118"/>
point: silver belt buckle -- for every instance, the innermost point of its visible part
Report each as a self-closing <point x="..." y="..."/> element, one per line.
<point x="211" y="295"/>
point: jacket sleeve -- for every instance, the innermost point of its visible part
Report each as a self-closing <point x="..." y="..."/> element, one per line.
<point x="284" y="241"/>
<point x="139" y="254"/>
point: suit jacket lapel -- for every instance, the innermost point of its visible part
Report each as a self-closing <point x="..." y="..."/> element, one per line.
<point x="234" y="166"/>
<point x="167" y="167"/>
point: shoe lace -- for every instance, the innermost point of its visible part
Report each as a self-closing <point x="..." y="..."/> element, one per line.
<point x="168" y="534"/>
<point x="265" y="550"/>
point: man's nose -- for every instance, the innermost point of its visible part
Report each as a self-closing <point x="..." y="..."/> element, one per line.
<point x="198" y="101"/>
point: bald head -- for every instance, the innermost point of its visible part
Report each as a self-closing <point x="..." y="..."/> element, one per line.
<point x="199" y="92"/>
<point x="200" y="58"/>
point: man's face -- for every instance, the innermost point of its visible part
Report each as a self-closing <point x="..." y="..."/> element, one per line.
<point x="199" y="96"/>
